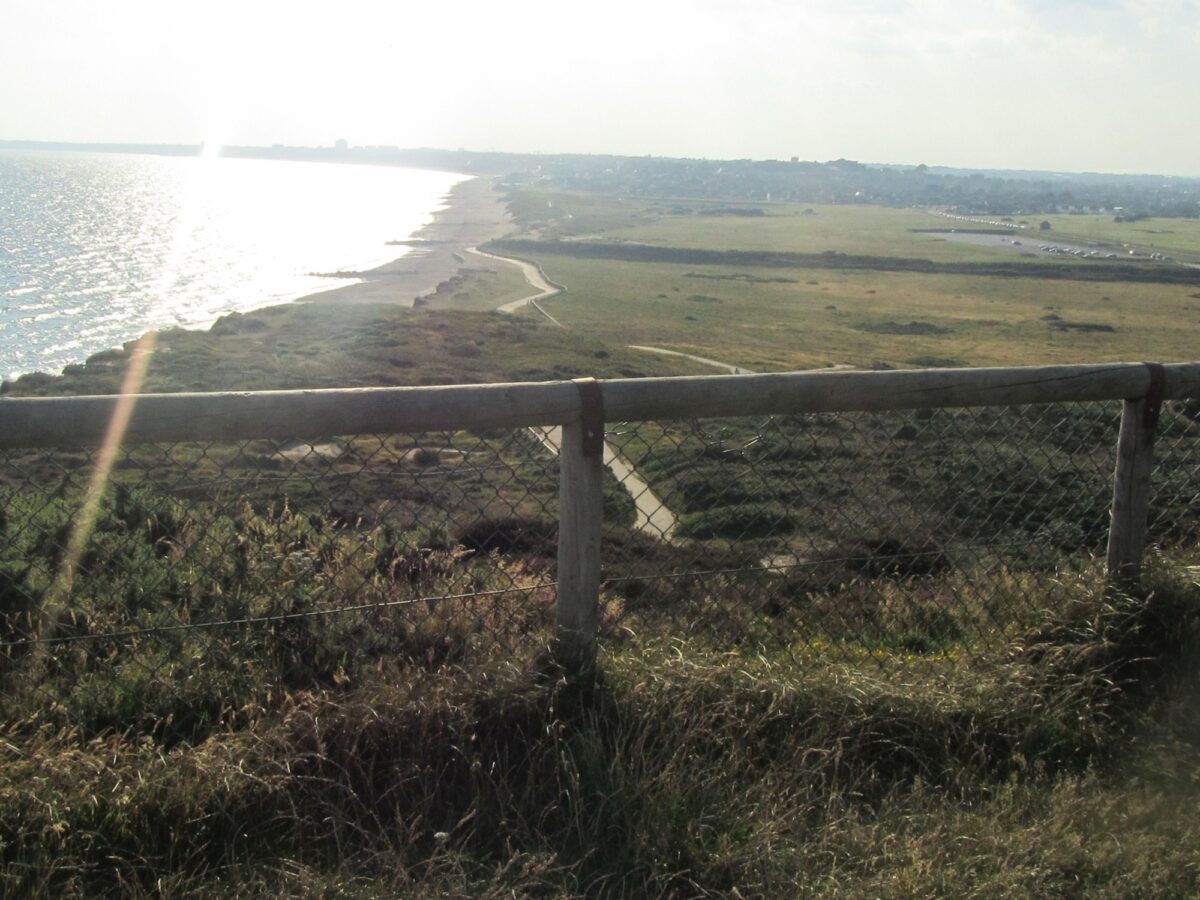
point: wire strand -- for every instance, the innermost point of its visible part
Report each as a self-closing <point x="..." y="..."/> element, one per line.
<point x="266" y="620"/>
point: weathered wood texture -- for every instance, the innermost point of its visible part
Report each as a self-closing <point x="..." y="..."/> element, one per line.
<point x="581" y="503"/>
<point x="809" y="392"/>
<point x="1131" y="492"/>
<point x="76" y="421"/>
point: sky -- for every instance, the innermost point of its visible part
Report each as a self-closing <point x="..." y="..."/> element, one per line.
<point x="1069" y="85"/>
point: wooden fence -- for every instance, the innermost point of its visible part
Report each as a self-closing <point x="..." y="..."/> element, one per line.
<point x="583" y="406"/>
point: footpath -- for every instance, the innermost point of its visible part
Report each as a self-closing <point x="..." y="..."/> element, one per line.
<point x="651" y="514"/>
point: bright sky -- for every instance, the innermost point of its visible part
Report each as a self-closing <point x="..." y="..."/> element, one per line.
<point x="1098" y="85"/>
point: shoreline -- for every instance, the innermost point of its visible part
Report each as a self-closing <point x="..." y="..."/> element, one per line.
<point x="474" y="213"/>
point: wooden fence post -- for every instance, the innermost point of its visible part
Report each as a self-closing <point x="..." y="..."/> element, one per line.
<point x="580" y="505"/>
<point x="1131" y="483"/>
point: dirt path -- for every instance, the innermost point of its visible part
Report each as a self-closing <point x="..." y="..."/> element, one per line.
<point x="704" y="360"/>
<point x="536" y="278"/>
<point x="728" y="367"/>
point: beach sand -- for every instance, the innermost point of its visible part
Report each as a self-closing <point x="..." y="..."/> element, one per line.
<point x="475" y="213"/>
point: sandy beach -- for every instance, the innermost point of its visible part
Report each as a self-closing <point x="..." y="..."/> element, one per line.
<point x="475" y="213"/>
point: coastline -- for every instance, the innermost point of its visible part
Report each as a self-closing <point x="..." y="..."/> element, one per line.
<point x="474" y="213"/>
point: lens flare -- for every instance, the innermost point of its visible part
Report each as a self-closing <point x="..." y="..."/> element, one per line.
<point x="55" y="606"/>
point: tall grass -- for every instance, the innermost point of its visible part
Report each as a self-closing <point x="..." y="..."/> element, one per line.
<point x="347" y="759"/>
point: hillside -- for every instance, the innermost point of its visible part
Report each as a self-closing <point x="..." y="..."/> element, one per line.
<point x="875" y="655"/>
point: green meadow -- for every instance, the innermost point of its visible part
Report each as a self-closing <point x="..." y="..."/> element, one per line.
<point x="777" y="318"/>
<point x="775" y="227"/>
<point x="781" y="319"/>
<point x="480" y="285"/>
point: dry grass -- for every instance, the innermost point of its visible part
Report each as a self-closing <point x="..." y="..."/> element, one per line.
<point x="1065" y="767"/>
<point x="770" y="317"/>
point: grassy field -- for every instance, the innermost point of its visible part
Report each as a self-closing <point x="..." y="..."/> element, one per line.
<point x="320" y="346"/>
<point x="865" y="230"/>
<point x="816" y="228"/>
<point x="812" y="228"/>
<point x="780" y="319"/>
<point x="481" y="285"/>
<point x="773" y="317"/>
<point x="1179" y="238"/>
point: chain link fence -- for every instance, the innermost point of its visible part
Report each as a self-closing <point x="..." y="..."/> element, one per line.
<point x="213" y="577"/>
<point x="880" y="537"/>
<point x="199" y="581"/>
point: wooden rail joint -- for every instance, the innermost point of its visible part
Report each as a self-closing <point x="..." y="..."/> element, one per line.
<point x="1154" y="395"/>
<point x="1132" y="481"/>
<point x="591" y="415"/>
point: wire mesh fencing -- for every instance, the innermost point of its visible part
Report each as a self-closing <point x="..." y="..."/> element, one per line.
<point x="201" y="580"/>
<point x="173" y="588"/>
<point x="880" y="537"/>
<point x="1175" y="481"/>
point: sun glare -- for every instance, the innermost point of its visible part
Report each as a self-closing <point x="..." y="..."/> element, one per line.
<point x="131" y="387"/>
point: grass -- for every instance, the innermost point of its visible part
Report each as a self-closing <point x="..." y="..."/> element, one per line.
<point x="560" y="213"/>
<point x="1160" y="272"/>
<point x="1179" y="238"/>
<point x="792" y="228"/>
<point x="321" y="346"/>
<point x="831" y="471"/>
<point x="480" y="286"/>
<point x="776" y="317"/>
<point x="817" y="318"/>
<point x="1065" y="766"/>
<point x="894" y="712"/>
<point x="788" y="228"/>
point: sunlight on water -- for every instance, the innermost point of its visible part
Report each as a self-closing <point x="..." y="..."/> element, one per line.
<point x="96" y="249"/>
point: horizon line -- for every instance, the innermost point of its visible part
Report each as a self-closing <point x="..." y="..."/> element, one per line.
<point x="197" y="148"/>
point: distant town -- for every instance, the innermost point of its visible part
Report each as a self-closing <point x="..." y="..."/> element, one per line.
<point x="841" y="181"/>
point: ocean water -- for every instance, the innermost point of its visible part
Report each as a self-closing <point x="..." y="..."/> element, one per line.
<point x="96" y="249"/>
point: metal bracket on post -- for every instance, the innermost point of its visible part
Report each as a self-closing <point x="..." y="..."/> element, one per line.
<point x="1154" y="395"/>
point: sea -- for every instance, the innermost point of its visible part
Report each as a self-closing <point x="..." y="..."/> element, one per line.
<point x="97" y="248"/>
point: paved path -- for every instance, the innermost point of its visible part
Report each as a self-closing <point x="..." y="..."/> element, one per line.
<point x="651" y="514"/>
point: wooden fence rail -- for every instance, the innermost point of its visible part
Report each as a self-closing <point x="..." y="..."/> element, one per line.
<point x="583" y="406"/>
